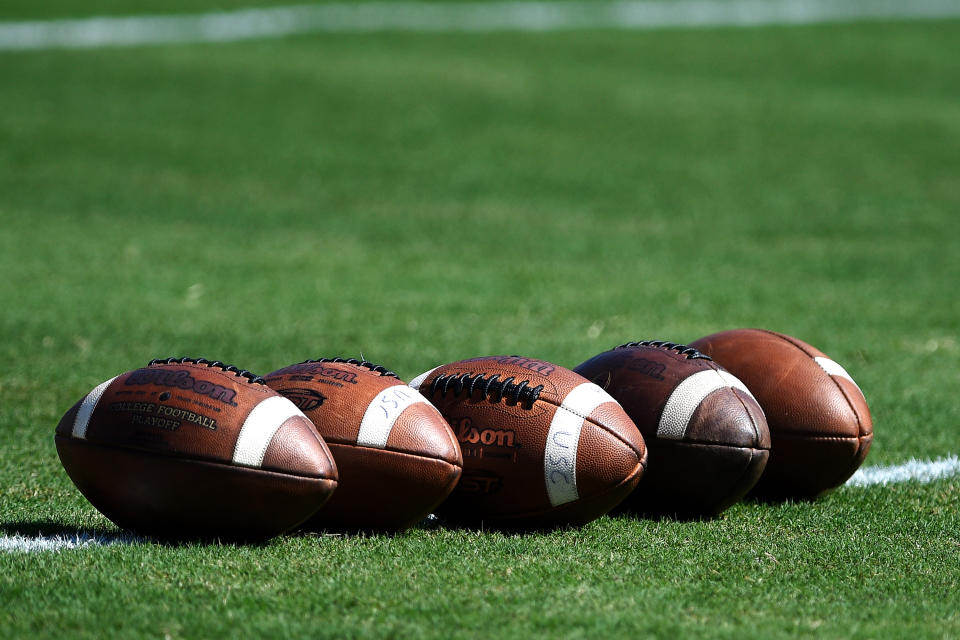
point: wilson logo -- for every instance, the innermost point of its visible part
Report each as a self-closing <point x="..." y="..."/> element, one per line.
<point x="306" y="370"/>
<point x="537" y="366"/>
<point x="181" y="380"/>
<point x="648" y="368"/>
<point x="469" y="434"/>
<point x="305" y="399"/>
<point x="479" y="485"/>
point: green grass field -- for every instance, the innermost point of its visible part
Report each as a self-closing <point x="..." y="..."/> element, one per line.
<point x="425" y="198"/>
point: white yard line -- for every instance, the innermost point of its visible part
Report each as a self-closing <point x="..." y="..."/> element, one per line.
<point x="440" y="17"/>
<point x="921" y="471"/>
<point x="34" y="544"/>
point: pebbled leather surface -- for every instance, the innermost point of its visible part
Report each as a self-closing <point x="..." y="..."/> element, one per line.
<point x="175" y="498"/>
<point x="820" y="425"/>
<point x="171" y="420"/>
<point x="145" y="428"/>
<point x="705" y="472"/>
<point x="298" y="449"/>
<point x="347" y="391"/>
<point x="664" y="492"/>
<point x="378" y="491"/>
<point x="341" y="391"/>
<point x="422" y="431"/>
<point x="504" y="445"/>
<point x="385" y="489"/>
<point x="729" y="417"/>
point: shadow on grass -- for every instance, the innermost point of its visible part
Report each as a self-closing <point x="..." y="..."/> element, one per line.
<point x="774" y="500"/>
<point x="522" y="527"/>
<point x="669" y="517"/>
<point x="52" y="529"/>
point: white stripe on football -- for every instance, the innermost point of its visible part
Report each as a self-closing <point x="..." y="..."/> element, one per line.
<point x="560" y="455"/>
<point x="835" y="369"/>
<point x="688" y="395"/>
<point x="86" y="409"/>
<point x="263" y="422"/>
<point x="382" y="414"/>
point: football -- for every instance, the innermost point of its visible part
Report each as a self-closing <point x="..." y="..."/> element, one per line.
<point x="190" y="448"/>
<point x="397" y="457"/>
<point x="707" y="436"/>
<point x="820" y="425"/>
<point x="542" y="446"/>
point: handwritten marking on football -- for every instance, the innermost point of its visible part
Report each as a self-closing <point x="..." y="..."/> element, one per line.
<point x="563" y="440"/>
<point x="382" y="414"/>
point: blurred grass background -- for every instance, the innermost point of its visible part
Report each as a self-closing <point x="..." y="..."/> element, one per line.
<point x="423" y="198"/>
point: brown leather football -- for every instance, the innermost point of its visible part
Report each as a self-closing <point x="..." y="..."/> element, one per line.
<point x="397" y="457"/>
<point x="707" y="436"/>
<point x="188" y="448"/>
<point x="542" y="446"/>
<point x="820" y="426"/>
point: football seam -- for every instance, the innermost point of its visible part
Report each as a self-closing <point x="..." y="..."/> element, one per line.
<point x="394" y="452"/>
<point x="551" y="511"/>
<point x="802" y="436"/>
<point x="670" y="351"/>
<point x="754" y="453"/>
<point x="365" y="367"/>
<point x="447" y="431"/>
<point x="247" y="384"/>
<point x="861" y="431"/>
<point x="683" y="384"/>
<point x="785" y="338"/>
<point x="641" y="465"/>
<point x="717" y="445"/>
<point x="585" y="418"/>
<point x="602" y="426"/>
<point x="756" y="428"/>
<point x="856" y="414"/>
<point x="191" y="458"/>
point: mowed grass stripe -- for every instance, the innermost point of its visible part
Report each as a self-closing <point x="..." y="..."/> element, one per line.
<point x="274" y="22"/>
